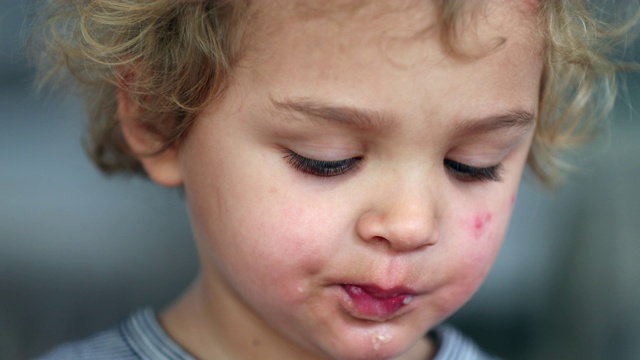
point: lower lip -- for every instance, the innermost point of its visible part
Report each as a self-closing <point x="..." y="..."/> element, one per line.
<point x="369" y="303"/>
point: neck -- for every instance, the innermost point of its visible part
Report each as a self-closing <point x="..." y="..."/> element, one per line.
<point x="211" y="325"/>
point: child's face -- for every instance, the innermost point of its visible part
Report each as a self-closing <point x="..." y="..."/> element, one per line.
<point x="331" y="191"/>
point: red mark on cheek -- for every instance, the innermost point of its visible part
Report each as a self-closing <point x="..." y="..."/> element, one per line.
<point x="513" y="199"/>
<point x="479" y="224"/>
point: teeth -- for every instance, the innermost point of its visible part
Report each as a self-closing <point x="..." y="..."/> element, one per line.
<point x="407" y="299"/>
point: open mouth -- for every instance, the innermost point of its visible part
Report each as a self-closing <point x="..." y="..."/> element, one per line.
<point x="370" y="302"/>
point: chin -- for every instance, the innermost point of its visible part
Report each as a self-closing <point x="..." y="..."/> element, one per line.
<point x="382" y="353"/>
<point x="372" y="345"/>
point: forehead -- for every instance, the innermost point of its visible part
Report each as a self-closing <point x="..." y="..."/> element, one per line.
<point x="370" y="47"/>
<point x="350" y="22"/>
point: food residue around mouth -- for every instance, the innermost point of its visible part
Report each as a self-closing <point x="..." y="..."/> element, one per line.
<point x="380" y="338"/>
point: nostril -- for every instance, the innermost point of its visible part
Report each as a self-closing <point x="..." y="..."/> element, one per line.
<point x="407" y="239"/>
<point x="401" y="228"/>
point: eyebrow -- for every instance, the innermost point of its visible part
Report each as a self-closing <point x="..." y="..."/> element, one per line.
<point x="514" y="119"/>
<point x="345" y="115"/>
<point x="365" y="119"/>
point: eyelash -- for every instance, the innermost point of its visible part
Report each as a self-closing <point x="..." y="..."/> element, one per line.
<point x="321" y="168"/>
<point x="470" y="173"/>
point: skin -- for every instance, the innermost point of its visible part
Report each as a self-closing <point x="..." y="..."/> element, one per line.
<point x="276" y="242"/>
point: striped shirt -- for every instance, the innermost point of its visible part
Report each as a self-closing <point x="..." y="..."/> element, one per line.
<point x="141" y="337"/>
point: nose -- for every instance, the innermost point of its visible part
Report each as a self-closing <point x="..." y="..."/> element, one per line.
<point x="403" y="218"/>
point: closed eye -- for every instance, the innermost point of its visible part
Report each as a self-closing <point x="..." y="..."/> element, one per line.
<point x="469" y="173"/>
<point x="321" y="168"/>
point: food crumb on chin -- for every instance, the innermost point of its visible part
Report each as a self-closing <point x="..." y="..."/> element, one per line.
<point x="379" y="339"/>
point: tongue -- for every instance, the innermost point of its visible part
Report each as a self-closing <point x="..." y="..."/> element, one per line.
<point x="375" y="303"/>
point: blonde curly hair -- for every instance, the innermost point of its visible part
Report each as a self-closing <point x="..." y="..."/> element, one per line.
<point x="187" y="49"/>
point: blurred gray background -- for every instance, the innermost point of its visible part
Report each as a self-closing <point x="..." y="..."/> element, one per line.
<point x="78" y="251"/>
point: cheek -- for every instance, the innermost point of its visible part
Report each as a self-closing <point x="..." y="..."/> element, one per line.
<point x="281" y="239"/>
<point x="478" y="224"/>
<point x="480" y="235"/>
<point x="484" y="230"/>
